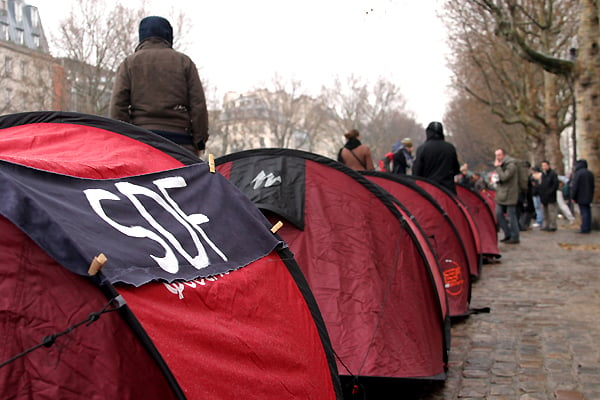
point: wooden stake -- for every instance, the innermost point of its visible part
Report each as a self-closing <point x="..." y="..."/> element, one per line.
<point x="276" y="227"/>
<point x="97" y="264"/>
<point x="211" y="163"/>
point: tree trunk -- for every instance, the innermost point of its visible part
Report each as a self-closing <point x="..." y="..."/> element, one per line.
<point x="552" y="134"/>
<point x="587" y="91"/>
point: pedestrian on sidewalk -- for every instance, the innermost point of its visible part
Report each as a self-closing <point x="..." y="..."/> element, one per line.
<point x="534" y="182"/>
<point x="526" y="208"/>
<point x="507" y="196"/>
<point x="547" y="190"/>
<point x="436" y="159"/>
<point x="582" y="192"/>
<point x="562" y="204"/>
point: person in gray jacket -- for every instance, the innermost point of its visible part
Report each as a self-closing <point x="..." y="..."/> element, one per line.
<point x="507" y="196"/>
<point x="159" y="89"/>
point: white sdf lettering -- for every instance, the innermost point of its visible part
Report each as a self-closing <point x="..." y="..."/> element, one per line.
<point x="191" y="223"/>
<point x="168" y="262"/>
<point x="195" y="219"/>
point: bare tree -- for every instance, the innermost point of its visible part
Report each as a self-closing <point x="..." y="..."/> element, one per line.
<point x="282" y="116"/>
<point x="477" y="132"/>
<point x="518" y="21"/>
<point x="93" y="39"/>
<point x="378" y="112"/>
<point x="488" y="69"/>
<point x="218" y="143"/>
<point x="285" y="116"/>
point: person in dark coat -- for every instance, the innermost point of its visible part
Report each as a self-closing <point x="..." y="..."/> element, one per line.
<point x="400" y="159"/>
<point x="582" y="192"/>
<point x="547" y="191"/>
<point x="478" y="182"/>
<point x="436" y="159"/>
<point x="403" y="158"/>
<point x="159" y="89"/>
<point x="464" y="178"/>
<point x="526" y="208"/>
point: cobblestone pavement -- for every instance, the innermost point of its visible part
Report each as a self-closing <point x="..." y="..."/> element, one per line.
<point x="541" y="339"/>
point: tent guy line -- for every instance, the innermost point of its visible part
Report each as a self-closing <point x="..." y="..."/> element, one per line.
<point x="48" y="341"/>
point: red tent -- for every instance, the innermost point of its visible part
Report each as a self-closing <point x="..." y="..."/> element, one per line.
<point x="368" y="265"/>
<point x="232" y="318"/>
<point x="440" y="232"/>
<point x="463" y="221"/>
<point x="483" y="217"/>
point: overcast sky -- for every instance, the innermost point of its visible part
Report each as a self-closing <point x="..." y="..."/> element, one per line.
<point x="239" y="45"/>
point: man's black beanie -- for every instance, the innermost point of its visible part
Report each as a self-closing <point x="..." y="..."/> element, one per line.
<point x="156" y="27"/>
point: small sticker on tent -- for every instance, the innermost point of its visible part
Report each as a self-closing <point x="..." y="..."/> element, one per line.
<point x="453" y="280"/>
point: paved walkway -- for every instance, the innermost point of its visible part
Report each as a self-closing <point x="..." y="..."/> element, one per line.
<point x="541" y="339"/>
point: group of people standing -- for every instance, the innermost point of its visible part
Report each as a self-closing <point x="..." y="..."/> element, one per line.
<point x="435" y="159"/>
<point x="543" y="184"/>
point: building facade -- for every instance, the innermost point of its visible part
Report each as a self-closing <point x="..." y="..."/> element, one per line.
<point x="28" y="73"/>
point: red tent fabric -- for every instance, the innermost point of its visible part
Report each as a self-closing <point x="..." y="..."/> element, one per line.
<point x="252" y="332"/>
<point x="483" y="217"/>
<point x="440" y="232"/>
<point x="490" y="198"/>
<point x="39" y="297"/>
<point x="463" y="221"/>
<point x="382" y="300"/>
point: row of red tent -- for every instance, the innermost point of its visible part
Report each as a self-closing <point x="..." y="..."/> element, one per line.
<point x="204" y="293"/>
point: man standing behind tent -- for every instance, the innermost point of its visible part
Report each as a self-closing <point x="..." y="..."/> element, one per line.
<point x="159" y="89"/>
<point x="507" y="196"/>
<point x="436" y="159"/>
<point x="354" y="154"/>
<point x="582" y="192"/>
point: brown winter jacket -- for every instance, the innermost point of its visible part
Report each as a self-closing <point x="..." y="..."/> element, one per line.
<point x="159" y="88"/>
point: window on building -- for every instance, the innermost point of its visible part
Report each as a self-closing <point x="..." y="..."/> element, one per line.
<point x="36" y="40"/>
<point x="23" y="70"/>
<point x="7" y="96"/>
<point x="23" y="100"/>
<point x="18" y="11"/>
<point x="35" y="17"/>
<point x="4" y="32"/>
<point x="3" y="5"/>
<point x="20" y="36"/>
<point x="8" y="66"/>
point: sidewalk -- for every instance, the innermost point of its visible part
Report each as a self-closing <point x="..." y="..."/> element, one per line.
<point x="541" y="339"/>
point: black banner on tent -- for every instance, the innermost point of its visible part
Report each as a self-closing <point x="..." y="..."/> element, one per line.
<point x="273" y="183"/>
<point x="184" y="223"/>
